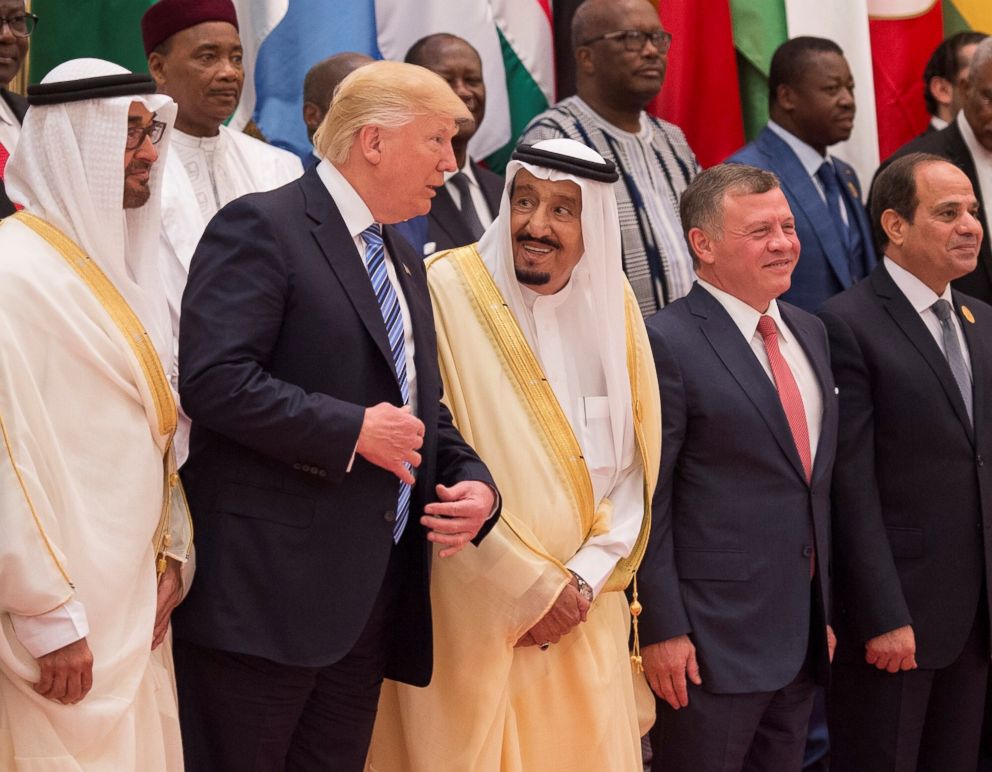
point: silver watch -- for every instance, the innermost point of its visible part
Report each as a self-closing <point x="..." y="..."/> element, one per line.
<point x="585" y="589"/>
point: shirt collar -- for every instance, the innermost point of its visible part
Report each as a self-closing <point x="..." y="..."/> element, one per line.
<point x="919" y="295"/>
<point x="978" y="153"/>
<point x="356" y="215"/>
<point x="808" y="157"/>
<point x="6" y="114"/>
<point x="744" y="316"/>
<point x="938" y="123"/>
<point x="207" y="144"/>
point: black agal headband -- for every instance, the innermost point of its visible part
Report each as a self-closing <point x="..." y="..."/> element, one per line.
<point x="605" y="171"/>
<point x="103" y="87"/>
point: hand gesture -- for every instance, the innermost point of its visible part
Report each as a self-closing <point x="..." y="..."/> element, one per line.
<point x="66" y="673"/>
<point x="390" y="438"/>
<point x="456" y="519"/>
<point x="892" y="651"/>
<point x="569" y="610"/>
<point x="170" y="592"/>
<point x="666" y="665"/>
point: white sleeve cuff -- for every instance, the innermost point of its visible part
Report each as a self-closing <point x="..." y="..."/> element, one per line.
<point x="594" y="564"/>
<point x="44" y="633"/>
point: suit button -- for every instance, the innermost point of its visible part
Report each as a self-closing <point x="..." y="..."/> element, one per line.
<point x="389" y="516"/>
<point x="297" y="466"/>
<point x="323" y="473"/>
<point x="980" y="460"/>
<point x="306" y="467"/>
<point x="807" y="552"/>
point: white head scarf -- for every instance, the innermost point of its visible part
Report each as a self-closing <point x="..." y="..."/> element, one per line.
<point x="602" y="293"/>
<point x="68" y="169"/>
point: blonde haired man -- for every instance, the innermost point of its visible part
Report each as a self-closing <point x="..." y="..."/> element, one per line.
<point x="322" y="464"/>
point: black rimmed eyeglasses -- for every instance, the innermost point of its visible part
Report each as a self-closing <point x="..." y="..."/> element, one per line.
<point x="136" y="134"/>
<point x="635" y="39"/>
<point x="21" y="25"/>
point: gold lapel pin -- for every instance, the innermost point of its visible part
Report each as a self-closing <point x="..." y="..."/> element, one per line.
<point x="966" y="313"/>
<point x="854" y="190"/>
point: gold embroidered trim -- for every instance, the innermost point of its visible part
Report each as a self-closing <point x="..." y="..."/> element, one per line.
<point x="34" y="512"/>
<point x="512" y="346"/>
<point x="121" y="313"/>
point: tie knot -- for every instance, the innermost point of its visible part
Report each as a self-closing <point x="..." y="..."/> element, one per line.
<point x="827" y="174"/>
<point x="943" y="310"/>
<point x="767" y="327"/>
<point x="373" y="235"/>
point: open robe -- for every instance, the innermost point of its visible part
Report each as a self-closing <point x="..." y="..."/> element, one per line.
<point x="86" y="502"/>
<point x="491" y="706"/>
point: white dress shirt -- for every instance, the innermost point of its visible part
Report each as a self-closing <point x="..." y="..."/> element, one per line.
<point x="565" y="335"/>
<point x="357" y="218"/>
<point x="938" y="123"/>
<point x="478" y="199"/>
<point x="922" y="298"/>
<point x="809" y="158"/>
<point x="983" y="165"/>
<point x="746" y="318"/>
<point x="10" y="127"/>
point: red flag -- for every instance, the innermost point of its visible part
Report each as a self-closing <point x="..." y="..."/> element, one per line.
<point x="701" y="94"/>
<point x="900" y="48"/>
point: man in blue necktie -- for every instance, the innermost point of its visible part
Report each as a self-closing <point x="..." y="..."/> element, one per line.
<point x="323" y="466"/>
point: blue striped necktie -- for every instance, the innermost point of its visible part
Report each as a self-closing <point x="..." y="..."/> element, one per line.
<point x="389" y="305"/>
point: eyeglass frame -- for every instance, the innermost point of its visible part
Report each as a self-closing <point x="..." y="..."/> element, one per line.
<point x="663" y="45"/>
<point x="9" y="23"/>
<point x="147" y="132"/>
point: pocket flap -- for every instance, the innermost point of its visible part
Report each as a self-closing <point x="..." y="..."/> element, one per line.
<point x="269" y="504"/>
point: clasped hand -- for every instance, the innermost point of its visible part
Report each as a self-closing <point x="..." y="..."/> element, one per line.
<point x="570" y="609"/>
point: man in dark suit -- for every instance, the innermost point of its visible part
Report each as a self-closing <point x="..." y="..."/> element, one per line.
<point x="912" y="496"/>
<point x="318" y="90"/>
<point x="811" y="107"/>
<point x="944" y="77"/>
<point x="967" y="143"/>
<point x="469" y="200"/>
<point x="16" y="26"/>
<point x="734" y="584"/>
<point x="323" y="465"/>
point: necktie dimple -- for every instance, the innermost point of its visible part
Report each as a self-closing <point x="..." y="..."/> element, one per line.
<point x="467" y="208"/>
<point x="792" y="403"/>
<point x="954" y="354"/>
<point x="827" y="175"/>
<point x="389" y="306"/>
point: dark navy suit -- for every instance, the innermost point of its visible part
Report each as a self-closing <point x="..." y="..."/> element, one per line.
<point x="282" y="347"/>
<point x="825" y="263"/>
<point x="734" y="524"/>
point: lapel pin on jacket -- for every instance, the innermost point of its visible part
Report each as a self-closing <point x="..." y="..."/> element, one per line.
<point x="966" y="313"/>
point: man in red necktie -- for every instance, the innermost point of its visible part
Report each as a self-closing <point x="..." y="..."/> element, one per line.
<point x="16" y="26"/>
<point x="734" y="584"/>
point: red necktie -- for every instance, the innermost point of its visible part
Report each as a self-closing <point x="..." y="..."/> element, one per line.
<point x="792" y="402"/>
<point x="4" y="155"/>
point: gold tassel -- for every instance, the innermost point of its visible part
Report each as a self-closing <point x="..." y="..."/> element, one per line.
<point x="635" y="611"/>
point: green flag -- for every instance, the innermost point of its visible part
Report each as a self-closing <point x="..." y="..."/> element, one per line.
<point x="106" y="29"/>
<point x="759" y="28"/>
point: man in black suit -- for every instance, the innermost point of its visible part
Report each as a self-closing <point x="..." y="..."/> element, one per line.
<point x="318" y="90"/>
<point x="944" y="77"/>
<point x="967" y="143"/>
<point x="912" y="496"/>
<point x="16" y="26"/>
<point x="309" y="367"/>
<point x="735" y="580"/>
<point x="469" y="200"/>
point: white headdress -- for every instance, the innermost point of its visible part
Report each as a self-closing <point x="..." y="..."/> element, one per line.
<point x="68" y="169"/>
<point x="602" y="260"/>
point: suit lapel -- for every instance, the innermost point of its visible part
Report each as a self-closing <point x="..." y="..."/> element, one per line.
<point x="448" y="218"/>
<point x="913" y="327"/>
<point x="334" y="240"/>
<point x="492" y="188"/>
<point x="852" y="195"/>
<point x="787" y="165"/>
<point x="736" y="354"/>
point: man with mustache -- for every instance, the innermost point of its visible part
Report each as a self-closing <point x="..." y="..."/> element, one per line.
<point x="811" y="107"/>
<point x="195" y="55"/>
<point x="548" y="371"/>
<point x="621" y="53"/>
<point x="912" y="491"/>
<point x="94" y="530"/>
<point x="16" y="26"/>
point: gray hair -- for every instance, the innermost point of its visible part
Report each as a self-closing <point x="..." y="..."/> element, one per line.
<point x="981" y="59"/>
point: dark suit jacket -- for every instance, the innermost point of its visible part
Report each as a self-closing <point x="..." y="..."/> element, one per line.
<point x="823" y="269"/>
<point x="912" y="498"/>
<point x="729" y="553"/>
<point x="19" y="106"/>
<point x="948" y="143"/>
<point x="282" y="346"/>
<point x="445" y="226"/>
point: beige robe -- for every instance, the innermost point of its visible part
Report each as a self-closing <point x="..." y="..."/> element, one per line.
<point x="492" y="707"/>
<point x="86" y="476"/>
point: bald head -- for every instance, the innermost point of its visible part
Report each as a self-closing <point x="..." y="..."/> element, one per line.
<point x="597" y="17"/>
<point x="320" y="82"/>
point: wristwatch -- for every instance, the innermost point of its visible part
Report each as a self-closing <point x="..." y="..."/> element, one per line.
<point x="585" y="589"/>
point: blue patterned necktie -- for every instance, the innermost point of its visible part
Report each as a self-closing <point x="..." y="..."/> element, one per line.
<point x="827" y="175"/>
<point x="389" y="305"/>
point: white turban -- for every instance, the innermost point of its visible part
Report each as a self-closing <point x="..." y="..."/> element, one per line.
<point x="68" y="169"/>
<point x="599" y="271"/>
